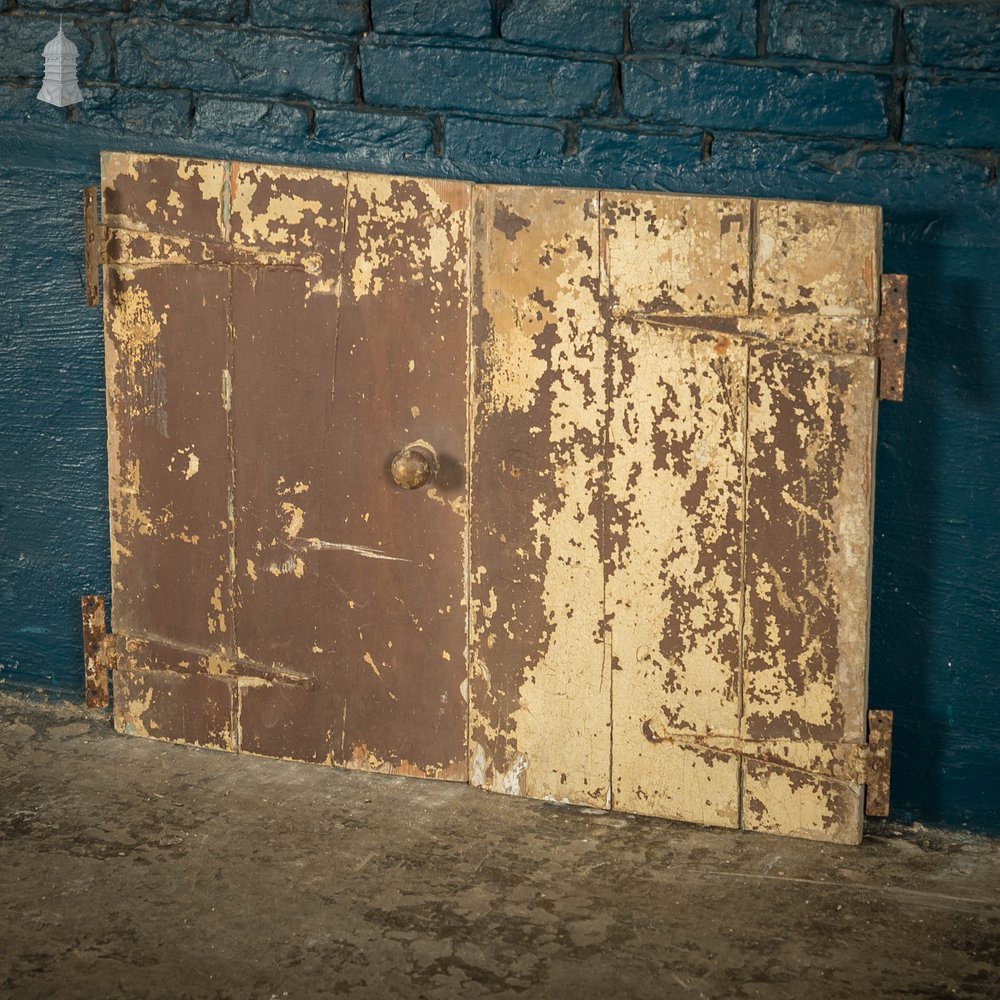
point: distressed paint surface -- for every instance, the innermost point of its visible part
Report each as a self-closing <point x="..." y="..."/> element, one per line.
<point x="671" y="410"/>
<point x="305" y="389"/>
<point x="402" y="360"/>
<point x="677" y="254"/>
<point x="283" y="363"/>
<point x="810" y="435"/>
<point x="763" y="473"/>
<point x="816" y="258"/>
<point x="355" y="347"/>
<point x="197" y="709"/>
<point x="540" y="674"/>
<point x="168" y="453"/>
<point x="674" y="571"/>
<point x="796" y="803"/>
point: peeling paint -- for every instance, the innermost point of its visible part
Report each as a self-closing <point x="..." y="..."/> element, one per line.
<point x="672" y="421"/>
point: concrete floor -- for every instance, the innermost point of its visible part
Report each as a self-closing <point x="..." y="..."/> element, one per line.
<point x="130" y="868"/>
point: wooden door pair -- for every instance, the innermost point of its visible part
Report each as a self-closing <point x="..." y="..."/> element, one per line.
<point x="637" y="576"/>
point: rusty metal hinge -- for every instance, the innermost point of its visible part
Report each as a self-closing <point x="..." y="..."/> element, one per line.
<point x="91" y="246"/>
<point x="98" y="651"/>
<point x="878" y="762"/>
<point x="890" y="337"/>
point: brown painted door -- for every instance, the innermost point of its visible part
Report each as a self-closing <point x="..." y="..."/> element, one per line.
<point x="275" y="337"/>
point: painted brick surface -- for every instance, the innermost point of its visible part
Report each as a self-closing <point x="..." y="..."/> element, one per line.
<point x="234" y="61"/>
<point x="264" y="122"/>
<point x="642" y="161"/>
<point x="23" y="37"/>
<point x="595" y="26"/>
<point x="342" y="17"/>
<point x="966" y="36"/>
<point x="158" y="112"/>
<point x="721" y="95"/>
<point x="714" y="28"/>
<point x="953" y="112"/>
<point x="515" y="152"/>
<point x="373" y="141"/>
<point x="488" y="81"/>
<point x="201" y="10"/>
<point x="458" y="18"/>
<point x="87" y="6"/>
<point x="841" y="30"/>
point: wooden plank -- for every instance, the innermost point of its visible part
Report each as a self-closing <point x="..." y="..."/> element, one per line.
<point x="338" y="365"/>
<point x="674" y="570"/>
<point x="166" y="356"/>
<point x="164" y="194"/>
<point x="816" y="258"/>
<point x="810" y="465"/>
<point x="540" y="678"/>
<point x="676" y="254"/>
<point x="291" y="721"/>
<point x="796" y="803"/>
<point x="402" y="380"/>
<point x="198" y="709"/>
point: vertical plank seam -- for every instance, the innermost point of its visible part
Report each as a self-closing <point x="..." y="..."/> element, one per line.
<point x="469" y="430"/>
<point x="604" y="484"/>
<point x="742" y="649"/>
<point x="227" y="389"/>
<point x="344" y="226"/>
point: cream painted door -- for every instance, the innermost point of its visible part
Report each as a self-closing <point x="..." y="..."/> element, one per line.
<point x="674" y="404"/>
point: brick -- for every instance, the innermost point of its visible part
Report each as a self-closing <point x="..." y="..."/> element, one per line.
<point x="120" y="109"/>
<point x="341" y="17"/>
<point x="498" y="152"/>
<point x="23" y="37"/>
<point x="595" y="26"/>
<point x="953" y="112"/>
<point x="711" y="28"/>
<point x="461" y="18"/>
<point x="484" y="81"/>
<point x="263" y="124"/>
<point x="225" y="60"/>
<point x="84" y="6"/>
<point x="373" y="141"/>
<point x="721" y="95"/>
<point x="837" y="30"/>
<point x="199" y="10"/>
<point x="619" y="159"/>
<point x="965" y="36"/>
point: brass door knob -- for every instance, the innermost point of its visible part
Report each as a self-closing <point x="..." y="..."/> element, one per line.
<point x="415" y="465"/>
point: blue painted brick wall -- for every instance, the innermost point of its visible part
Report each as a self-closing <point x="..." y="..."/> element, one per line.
<point x="845" y="100"/>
